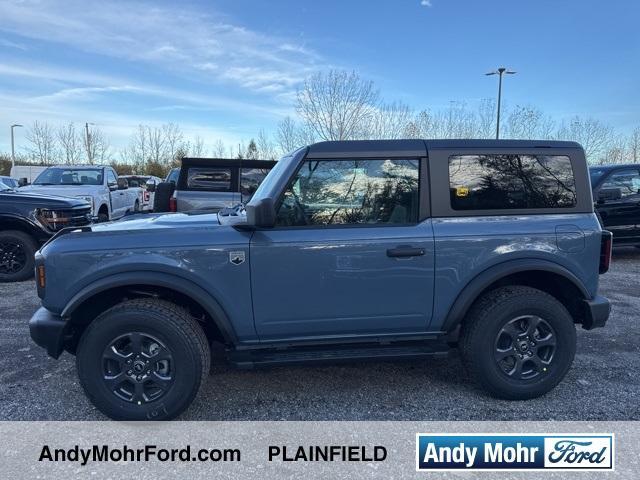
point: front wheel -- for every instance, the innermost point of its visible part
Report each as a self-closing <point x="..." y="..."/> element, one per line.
<point x="518" y="342"/>
<point x="143" y="359"/>
<point x="17" y="250"/>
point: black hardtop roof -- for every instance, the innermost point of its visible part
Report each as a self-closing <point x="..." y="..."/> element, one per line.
<point x="418" y="147"/>
<point x="226" y="162"/>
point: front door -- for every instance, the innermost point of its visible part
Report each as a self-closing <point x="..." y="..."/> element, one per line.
<point x="618" y="202"/>
<point x="349" y="255"/>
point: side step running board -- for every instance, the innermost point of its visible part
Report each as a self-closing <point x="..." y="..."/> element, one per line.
<point x="258" y="358"/>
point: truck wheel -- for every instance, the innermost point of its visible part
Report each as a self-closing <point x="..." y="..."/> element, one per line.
<point x="518" y="342"/>
<point x="136" y="207"/>
<point x="103" y="215"/>
<point x="17" y="250"/>
<point x="164" y="191"/>
<point x="143" y="359"/>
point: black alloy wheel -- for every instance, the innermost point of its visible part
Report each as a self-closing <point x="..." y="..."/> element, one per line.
<point x="138" y="368"/>
<point x="525" y="347"/>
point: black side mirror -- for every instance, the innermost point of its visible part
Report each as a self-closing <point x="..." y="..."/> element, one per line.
<point x="151" y="186"/>
<point x="261" y="213"/>
<point x="23" y="182"/>
<point x="123" y="184"/>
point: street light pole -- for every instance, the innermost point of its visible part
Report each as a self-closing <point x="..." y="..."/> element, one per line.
<point x="501" y="71"/>
<point x="13" y="152"/>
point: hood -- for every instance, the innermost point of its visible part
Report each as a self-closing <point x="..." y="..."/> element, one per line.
<point x="62" y="190"/>
<point x="149" y="221"/>
<point x="39" y="199"/>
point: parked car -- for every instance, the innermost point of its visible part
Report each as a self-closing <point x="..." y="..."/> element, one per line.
<point x="27" y="221"/>
<point x="616" y="190"/>
<point x="147" y="185"/>
<point x="110" y="197"/>
<point x="9" y="181"/>
<point x="210" y="184"/>
<point x="348" y="250"/>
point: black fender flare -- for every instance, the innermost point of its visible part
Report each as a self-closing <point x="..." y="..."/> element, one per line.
<point x="480" y="282"/>
<point x="157" y="279"/>
<point x="26" y="224"/>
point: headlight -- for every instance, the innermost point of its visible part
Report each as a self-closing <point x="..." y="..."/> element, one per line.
<point x="52" y="219"/>
<point x="87" y="199"/>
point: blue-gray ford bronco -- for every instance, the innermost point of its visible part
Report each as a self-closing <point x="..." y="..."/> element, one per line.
<point x="348" y="250"/>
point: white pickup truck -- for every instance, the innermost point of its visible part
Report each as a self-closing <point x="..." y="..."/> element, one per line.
<point x="110" y="197"/>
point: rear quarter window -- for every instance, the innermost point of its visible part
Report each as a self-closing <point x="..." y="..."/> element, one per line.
<point x="511" y="181"/>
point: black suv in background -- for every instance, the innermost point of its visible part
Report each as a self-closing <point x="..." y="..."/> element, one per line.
<point x="616" y="193"/>
<point x="27" y="220"/>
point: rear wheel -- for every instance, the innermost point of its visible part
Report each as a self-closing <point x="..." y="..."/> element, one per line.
<point x="17" y="250"/>
<point x="143" y="360"/>
<point x="518" y="342"/>
<point x="136" y="206"/>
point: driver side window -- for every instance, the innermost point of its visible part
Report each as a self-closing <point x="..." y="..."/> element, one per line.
<point x="352" y="192"/>
<point x="621" y="184"/>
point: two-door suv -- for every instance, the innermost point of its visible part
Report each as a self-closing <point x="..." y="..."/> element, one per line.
<point x="348" y="250"/>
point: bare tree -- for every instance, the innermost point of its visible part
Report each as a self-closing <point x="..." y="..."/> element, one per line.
<point x="390" y="121"/>
<point x="454" y="122"/>
<point x="70" y="143"/>
<point x="196" y="149"/>
<point x="266" y="148"/>
<point x="527" y="122"/>
<point x="634" y="145"/>
<point x="158" y="145"/>
<point x="486" y="118"/>
<point x="41" y="143"/>
<point x="615" y="152"/>
<point x="97" y="147"/>
<point x="592" y="134"/>
<point x="219" y="149"/>
<point x="335" y="105"/>
<point x="173" y="140"/>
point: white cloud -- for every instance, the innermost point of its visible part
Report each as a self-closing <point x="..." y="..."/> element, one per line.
<point x="180" y="39"/>
<point x="426" y="3"/>
<point x="9" y="44"/>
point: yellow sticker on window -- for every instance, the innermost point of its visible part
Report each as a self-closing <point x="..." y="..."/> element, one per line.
<point x="462" y="191"/>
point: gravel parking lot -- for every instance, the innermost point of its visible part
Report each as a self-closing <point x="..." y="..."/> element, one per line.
<point x="604" y="383"/>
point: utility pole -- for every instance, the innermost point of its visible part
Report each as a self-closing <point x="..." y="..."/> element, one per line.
<point x="13" y="152"/>
<point x="501" y="71"/>
<point x="87" y="140"/>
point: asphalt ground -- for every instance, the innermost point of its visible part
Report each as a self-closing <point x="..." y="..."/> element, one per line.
<point x="603" y="384"/>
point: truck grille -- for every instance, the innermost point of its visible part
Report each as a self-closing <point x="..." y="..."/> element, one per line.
<point x="58" y="219"/>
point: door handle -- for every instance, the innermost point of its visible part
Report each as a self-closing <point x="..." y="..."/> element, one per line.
<point x="405" y="251"/>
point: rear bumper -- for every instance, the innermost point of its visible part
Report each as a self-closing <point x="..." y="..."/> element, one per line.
<point x="596" y="312"/>
<point x="47" y="331"/>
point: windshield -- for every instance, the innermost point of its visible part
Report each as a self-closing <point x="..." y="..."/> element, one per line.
<point x="4" y="188"/>
<point x="595" y="174"/>
<point x="70" y="176"/>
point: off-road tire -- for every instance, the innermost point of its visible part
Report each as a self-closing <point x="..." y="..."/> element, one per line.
<point x="482" y="326"/>
<point x="169" y="323"/>
<point x="164" y="192"/>
<point x="26" y="249"/>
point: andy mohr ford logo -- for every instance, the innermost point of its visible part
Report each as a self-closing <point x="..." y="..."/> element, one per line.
<point x="468" y="451"/>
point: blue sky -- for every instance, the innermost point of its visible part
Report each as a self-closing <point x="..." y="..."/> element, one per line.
<point x="225" y="69"/>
